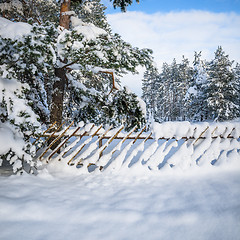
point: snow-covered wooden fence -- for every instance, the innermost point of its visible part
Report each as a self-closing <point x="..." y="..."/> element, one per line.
<point x="170" y="145"/>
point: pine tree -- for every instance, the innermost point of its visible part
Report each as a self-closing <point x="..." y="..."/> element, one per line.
<point x="175" y="81"/>
<point x="185" y="80"/>
<point x="164" y="95"/>
<point x="195" y="96"/>
<point x="123" y="4"/>
<point x="221" y="91"/>
<point x="236" y="86"/>
<point x="65" y="69"/>
<point x="101" y="49"/>
<point x="70" y="48"/>
<point x="24" y="98"/>
<point x="150" y="92"/>
<point x="18" y="123"/>
<point x="127" y="109"/>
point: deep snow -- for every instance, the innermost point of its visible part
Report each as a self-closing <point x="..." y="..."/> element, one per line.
<point x="191" y="205"/>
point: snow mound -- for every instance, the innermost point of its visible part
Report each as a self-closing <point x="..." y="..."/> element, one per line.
<point x="186" y="129"/>
<point x="13" y="30"/>
<point x="175" y="146"/>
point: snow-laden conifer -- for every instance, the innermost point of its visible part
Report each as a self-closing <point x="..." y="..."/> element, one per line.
<point x="220" y="91"/>
<point x="41" y="54"/>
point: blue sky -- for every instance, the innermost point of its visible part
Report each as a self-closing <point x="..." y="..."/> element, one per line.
<point x="152" y="6"/>
<point x="176" y="28"/>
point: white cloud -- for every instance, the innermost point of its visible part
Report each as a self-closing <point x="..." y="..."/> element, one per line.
<point x="174" y="34"/>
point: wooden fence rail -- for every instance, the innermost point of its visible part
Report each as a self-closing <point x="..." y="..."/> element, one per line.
<point x="87" y="145"/>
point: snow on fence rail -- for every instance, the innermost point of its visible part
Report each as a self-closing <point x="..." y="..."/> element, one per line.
<point x="170" y="145"/>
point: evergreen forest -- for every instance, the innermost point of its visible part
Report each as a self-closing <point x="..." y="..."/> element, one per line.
<point x="203" y="91"/>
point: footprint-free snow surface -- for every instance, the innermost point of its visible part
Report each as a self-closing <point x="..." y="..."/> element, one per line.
<point x="196" y="205"/>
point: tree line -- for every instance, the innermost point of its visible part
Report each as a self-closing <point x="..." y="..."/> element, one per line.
<point x="205" y="91"/>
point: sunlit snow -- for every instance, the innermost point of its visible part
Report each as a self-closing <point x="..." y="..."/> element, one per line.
<point x="188" y="206"/>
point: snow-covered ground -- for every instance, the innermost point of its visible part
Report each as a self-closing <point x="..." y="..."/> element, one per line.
<point x="127" y="200"/>
<point x="191" y="205"/>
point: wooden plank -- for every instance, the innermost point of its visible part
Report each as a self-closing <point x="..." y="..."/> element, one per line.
<point x="79" y="150"/>
<point x="58" y="138"/>
<point x="59" y="147"/>
<point x="95" y="133"/>
<point x="56" y="130"/>
<point x="123" y="140"/>
<point x="99" y="139"/>
<point x="110" y="140"/>
<point x="67" y="149"/>
<point x="105" y="133"/>
<point x="80" y="137"/>
<point x="139" y="134"/>
<point x="128" y="135"/>
<point x="100" y="145"/>
<point x="224" y="132"/>
<point x="84" y="144"/>
<point x="229" y="135"/>
<point x="147" y="137"/>
<point x="214" y="130"/>
<point x="52" y="135"/>
<point x="201" y="135"/>
<point x="115" y="135"/>
<point x="44" y="133"/>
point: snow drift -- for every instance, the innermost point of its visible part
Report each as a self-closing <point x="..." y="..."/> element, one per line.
<point x="168" y="146"/>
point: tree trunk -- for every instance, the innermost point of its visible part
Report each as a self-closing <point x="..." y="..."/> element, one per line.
<point x="65" y="18"/>
<point x="59" y="85"/>
<point x="58" y="96"/>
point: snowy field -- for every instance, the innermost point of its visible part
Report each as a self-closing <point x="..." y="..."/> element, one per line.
<point x="194" y="197"/>
<point x="192" y="205"/>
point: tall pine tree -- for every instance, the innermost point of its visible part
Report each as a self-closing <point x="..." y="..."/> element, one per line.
<point x="195" y="96"/>
<point x="66" y="71"/>
<point x="150" y="91"/>
<point x="220" y="91"/>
